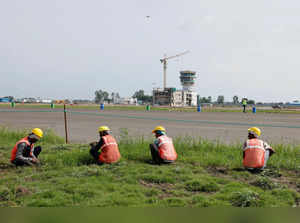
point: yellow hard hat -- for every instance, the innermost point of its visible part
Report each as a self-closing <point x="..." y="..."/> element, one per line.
<point x="38" y="132"/>
<point x="103" y="128"/>
<point x="158" y="128"/>
<point x="255" y="131"/>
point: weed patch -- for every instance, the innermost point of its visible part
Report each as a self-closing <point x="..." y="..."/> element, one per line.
<point x="265" y="183"/>
<point x="4" y="193"/>
<point x="246" y="198"/>
<point x="196" y="186"/>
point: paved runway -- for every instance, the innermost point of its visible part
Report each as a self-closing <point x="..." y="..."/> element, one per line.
<point x="223" y="126"/>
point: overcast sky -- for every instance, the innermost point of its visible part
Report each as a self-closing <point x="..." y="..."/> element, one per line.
<point x="70" y="48"/>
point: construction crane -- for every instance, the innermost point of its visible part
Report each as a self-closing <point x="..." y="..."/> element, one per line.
<point x="164" y="62"/>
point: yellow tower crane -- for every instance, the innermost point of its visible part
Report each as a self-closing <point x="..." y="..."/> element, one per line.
<point x="164" y="62"/>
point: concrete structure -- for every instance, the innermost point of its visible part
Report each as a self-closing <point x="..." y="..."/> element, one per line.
<point x="126" y="101"/>
<point x="172" y="97"/>
<point x="163" y="96"/>
<point x="187" y="79"/>
<point x="44" y="101"/>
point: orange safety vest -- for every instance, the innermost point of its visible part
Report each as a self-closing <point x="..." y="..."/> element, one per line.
<point x="14" y="150"/>
<point x="109" y="151"/>
<point x="166" y="148"/>
<point x="254" y="154"/>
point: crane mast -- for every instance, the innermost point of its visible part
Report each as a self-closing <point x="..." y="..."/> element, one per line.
<point x="164" y="61"/>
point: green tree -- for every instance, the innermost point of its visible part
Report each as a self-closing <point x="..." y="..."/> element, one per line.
<point x="114" y="96"/>
<point x="251" y="102"/>
<point x="235" y="99"/>
<point x="220" y="99"/>
<point x="101" y="96"/>
<point x="140" y="96"/>
<point x="209" y="99"/>
<point x="205" y="100"/>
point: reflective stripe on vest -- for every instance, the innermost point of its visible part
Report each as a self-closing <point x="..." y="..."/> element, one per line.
<point x="14" y="150"/>
<point x="164" y="141"/>
<point x="108" y="144"/>
<point x="166" y="148"/>
<point x="109" y="151"/>
<point x="254" y="156"/>
<point x="254" y="144"/>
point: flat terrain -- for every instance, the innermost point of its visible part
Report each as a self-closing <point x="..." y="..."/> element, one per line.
<point x="206" y="174"/>
<point x="225" y="126"/>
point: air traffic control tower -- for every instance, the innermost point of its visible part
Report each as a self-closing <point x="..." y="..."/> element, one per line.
<point x="188" y="79"/>
<point x="172" y="97"/>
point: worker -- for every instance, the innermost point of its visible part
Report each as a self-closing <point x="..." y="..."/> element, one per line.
<point x="162" y="150"/>
<point x="244" y="103"/>
<point x="24" y="153"/>
<point x="109" y="151"/>
<point x="255" y="151"/>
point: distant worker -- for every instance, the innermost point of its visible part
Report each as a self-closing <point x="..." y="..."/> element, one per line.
<point x="24" y="153"/>
<point x="244" y="103"/>
<point x="162" y="150"/>
<point x="255" y="151"/>
<point x="109" y="151"/>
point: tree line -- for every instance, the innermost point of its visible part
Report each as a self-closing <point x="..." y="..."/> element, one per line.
<point x="102" y="96"/>
<point x="221" y="100"/>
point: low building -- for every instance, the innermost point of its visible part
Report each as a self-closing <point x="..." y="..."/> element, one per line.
<point x="163" y="96"/>
<point x="5" y="100"/>
<point x="127" y="101"/>
<point x="173" y="97"/>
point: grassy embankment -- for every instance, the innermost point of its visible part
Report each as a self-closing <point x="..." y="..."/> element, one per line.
<point x="143" y="108"/>
<point x="206" y="174"/>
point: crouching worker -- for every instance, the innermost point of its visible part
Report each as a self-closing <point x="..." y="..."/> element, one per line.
<point x="162" y="150"/>
<point x="24" y="152"/>
<point x="255" y="151"/>
<point x="109" y="151"/>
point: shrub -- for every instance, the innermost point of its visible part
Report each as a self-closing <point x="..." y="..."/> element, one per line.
<point x="246" y="198"/>
<point x="196" y="185"/>
<point x="265" y="183"/>
<point x="4" y="193"/>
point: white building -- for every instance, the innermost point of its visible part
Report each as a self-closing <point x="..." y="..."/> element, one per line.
<point x="172" y="97"/>
<point x="127" y="101"/>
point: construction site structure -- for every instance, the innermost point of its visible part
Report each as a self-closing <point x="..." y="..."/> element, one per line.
<point x="178" y="98"/>
<point x="164" y="61"/>
<point x="174" y="98"/>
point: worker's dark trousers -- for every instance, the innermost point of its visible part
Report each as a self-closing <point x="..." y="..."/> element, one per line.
<point x="36" y="152"/>
<point x="155" y="155"/>
<point x="96" y="155"/>
<point x="244" y="110"/>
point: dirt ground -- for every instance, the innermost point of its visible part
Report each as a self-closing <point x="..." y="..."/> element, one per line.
<point x="223" y="126"/>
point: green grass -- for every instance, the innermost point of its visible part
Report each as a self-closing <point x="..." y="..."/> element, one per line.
<point x="206" y="174"/>
<point x="143" y="108"/>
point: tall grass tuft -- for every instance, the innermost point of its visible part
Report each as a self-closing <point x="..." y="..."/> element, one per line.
<point x="8" y="136"/>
